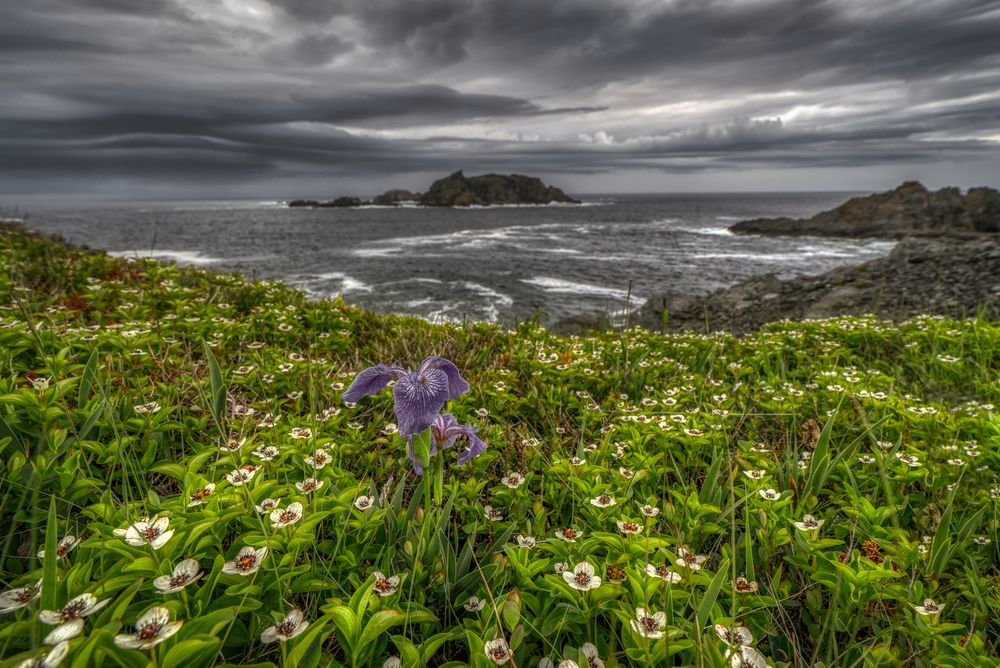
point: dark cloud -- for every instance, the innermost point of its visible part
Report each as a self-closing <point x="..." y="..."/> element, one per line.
<point x="181" y="93"/>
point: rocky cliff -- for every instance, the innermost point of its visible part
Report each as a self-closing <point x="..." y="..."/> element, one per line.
<point x="460" y="190"/>
<point x="909" y="210"/>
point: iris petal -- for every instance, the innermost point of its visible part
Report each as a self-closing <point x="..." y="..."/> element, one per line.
<point x="418" y="399"/>
<point x="371" y="381"/>
<point x="457" y="386"/>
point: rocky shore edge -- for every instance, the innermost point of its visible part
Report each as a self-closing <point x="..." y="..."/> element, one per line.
<point x="946" y="262"/>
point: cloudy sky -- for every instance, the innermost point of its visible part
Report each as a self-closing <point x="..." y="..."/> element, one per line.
<point x="276" y="98"/>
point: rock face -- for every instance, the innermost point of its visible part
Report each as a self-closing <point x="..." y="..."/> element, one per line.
<point x="909" y="210"/>
<point x="396" y="197"/>
<point x="460" y="190"/>
<point x="939" y="276"/>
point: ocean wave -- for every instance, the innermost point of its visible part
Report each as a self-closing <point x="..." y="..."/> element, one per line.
<point x="551" y="284"/>
<point x="178" y="256"/>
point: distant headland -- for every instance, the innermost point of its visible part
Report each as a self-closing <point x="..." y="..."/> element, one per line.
<point x="460" y="190"/>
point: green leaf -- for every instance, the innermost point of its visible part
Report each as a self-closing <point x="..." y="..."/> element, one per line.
<point x="383" y="620"/>
<point x="511" y="609"/>
<point x="48" y="599"/>
<point x="192" y="653"/>
<point x="218" y="387"/>
<point x="307" y="648"/>
<point x="347" y="625"/>
<point x="87" y="381"/>
<point x="705" y="608"/>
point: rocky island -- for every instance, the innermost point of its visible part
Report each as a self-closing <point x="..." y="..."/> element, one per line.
<point x="458" y="190"/>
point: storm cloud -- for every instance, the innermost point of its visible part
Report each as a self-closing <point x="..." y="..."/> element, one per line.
<point x="288" y="98"/>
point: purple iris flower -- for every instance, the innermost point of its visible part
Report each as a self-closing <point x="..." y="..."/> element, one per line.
<point x="445" y="430"/>
<point x="418" y="396"/>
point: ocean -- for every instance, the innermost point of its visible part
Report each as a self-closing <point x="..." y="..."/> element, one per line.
<point x="500" y="264"/>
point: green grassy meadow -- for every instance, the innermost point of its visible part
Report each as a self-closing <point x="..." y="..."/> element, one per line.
<point x="680" y="468"/>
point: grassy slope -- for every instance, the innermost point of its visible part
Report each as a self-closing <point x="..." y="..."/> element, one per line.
<point x="681" y="412"/>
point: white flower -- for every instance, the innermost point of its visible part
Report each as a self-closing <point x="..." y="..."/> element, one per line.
<point x="590" y="651"/>
<point x="929" y="608"/>
<point x="744" y="586"/>
<point x="568" y="534"/>
<point x="628" y="527"/>
<point x="70" y="617"/>
<point x="866" y="459"/>
<point x="40" y="384"/>
<point x="565" y="663"/>
<point x="50" y="660"/>
<point x="265" y="453"/>
<point x="909" y="460"/>
<point x="152" y="532"/>
<point x="650" y="511"/>
<point x="492" y="514"/>
<point x="603" y="501"/>
<point x="385" y="586"/>
<point x="560" y="567"/>
<point x="526" y="541"/>
<point x="363" y="502"/>
<point x="242" y="475"/>
<point x="582" y="577"/>
<point x="747" y="657"/>
<point x="662" y="572"/>
<point x="755" y="475"/>
<point x="392" y="662"/>
<point x="283" y="517"/>
<point x="184" y="574"/>
<point x="647" y="625"/>
<point x="734" y="636"/>
<point x="292" y="625"/>
<point x="474" y="604"/>
<point x="309" y="485"/>
<point x="66" y="545"/>
<point x="301" y="433"/>
<point x="769" y="494"/>
<point x="689" y="560"/>
<point x="247" y="561"/>
<point x="15" y="599"/>
<point x="143" y="409"/>
<point x="232" y="444"/>
<point x="513" y="479"/>
<point x="318" y="459"/>
<point x="809" y="524"/>
<point x="152" y="628"/>
<point x="497" y="651"/>
<point x="198" y="497"/>
<point x="267" y="505"/>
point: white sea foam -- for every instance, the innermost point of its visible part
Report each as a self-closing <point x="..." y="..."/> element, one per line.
<point x="729" y="218"/>
<point x="484" y="291"/>
<point x="713" y="231"/>
<point x="550" y="284"/>
<point x="178" y="256"/>
<point x="347" y="283"/>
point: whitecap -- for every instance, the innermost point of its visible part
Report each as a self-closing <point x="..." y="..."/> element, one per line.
<point x="178" y="256"/>
<point x="550" y="284"/>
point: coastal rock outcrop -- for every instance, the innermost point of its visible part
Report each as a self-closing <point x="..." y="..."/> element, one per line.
<point x="460" y="190"/>
<point x="396" y="197"/>
<point x="909" y="210"/>
<point x="952" y="277"/>
<point x="338" y="203"/>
